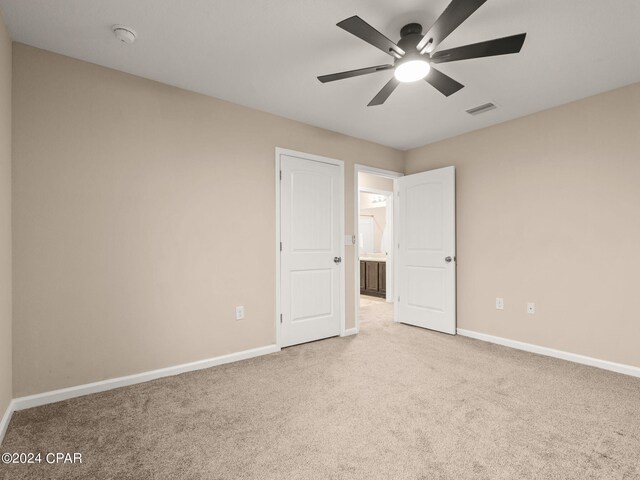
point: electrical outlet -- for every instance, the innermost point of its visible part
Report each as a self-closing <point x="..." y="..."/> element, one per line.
<point x="239" y="313"/>
<point x="531" y="308"/>
<point x="499" y="303"/>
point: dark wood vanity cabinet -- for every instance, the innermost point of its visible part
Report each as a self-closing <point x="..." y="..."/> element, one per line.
<point x="373" y="278"/>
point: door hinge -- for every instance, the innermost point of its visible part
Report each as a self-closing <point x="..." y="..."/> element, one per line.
<point x="398" y="299"/>
<point x="280" y="246"/>
<point x="280" y="318"/>
<point x="280" y="174"/>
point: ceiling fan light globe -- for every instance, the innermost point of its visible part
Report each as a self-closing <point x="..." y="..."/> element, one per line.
<point x="412" y="71"/>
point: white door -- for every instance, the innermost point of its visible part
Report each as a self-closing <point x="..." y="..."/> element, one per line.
<point x="426" y="281"/>
<point x="311" y="207"/>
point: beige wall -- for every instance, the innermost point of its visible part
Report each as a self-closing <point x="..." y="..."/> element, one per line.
<point x="379" y="216"/>
<point x="368" y="180"/>
<point x="5" y="219"/>
<point x="548" y="211"/>
<point x="143" y="215"/>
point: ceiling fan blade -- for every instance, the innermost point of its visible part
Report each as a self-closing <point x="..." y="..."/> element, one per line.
<point x="456" y="13"/>
<point x="361" y="29"/>
<point x="383" y="94"/>
<point x="490" y="48"/>
<point x="353" y="73"/>
<point x="443" y="83"/>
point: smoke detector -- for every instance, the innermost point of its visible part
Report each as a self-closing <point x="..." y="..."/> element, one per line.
<point x="124" y="34"/>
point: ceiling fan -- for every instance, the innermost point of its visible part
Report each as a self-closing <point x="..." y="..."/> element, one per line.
<point x="414" y="53"/>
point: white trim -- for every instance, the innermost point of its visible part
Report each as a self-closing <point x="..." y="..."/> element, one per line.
<point x="66" y="393"/>
<point x="396" y="249"/>
<point x="278" y="253"/>
<point x="380" y="172"/>
<point x="316" y="158"/>
<point x="349" y="331"/>
<point x="389" y="216"/>
<point x="550" y="352"/>
<point x="6" y="418"/>
<point x="356" y="216"/>
<point x="375" y="191"/>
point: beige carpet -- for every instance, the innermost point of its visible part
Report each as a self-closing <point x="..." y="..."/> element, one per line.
<point x="394" y="402"/>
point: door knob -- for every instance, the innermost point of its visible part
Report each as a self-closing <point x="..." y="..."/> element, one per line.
<point x="337" y="259"/>
<point x="448" y="259"/>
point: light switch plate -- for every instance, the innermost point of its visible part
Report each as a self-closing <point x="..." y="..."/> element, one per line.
<point x="499" y="303"/>
<point x="531" y="308"/>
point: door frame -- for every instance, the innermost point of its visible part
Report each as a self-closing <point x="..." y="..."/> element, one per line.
<point x="314" y="158"/>
<point x="356" y="217"/>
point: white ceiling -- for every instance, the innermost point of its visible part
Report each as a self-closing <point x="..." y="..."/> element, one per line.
<point x="267" y="54"/>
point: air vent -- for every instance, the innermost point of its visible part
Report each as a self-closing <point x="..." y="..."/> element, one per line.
<point x="481" y="109"/>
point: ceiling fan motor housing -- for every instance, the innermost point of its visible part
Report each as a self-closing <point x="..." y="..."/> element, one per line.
<point x="411" y="29"/>
<point x="411" y="35"/>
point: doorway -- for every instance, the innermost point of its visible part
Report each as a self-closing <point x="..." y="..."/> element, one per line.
<point x="420" y="267"/>
<point x="374" y="239"/>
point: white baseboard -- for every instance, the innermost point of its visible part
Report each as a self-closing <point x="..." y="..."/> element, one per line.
<point x="349" y="331"/>
<point x="550" y="352"/>
<point x="65" y="393"/>
<point x="6" y="418"/>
